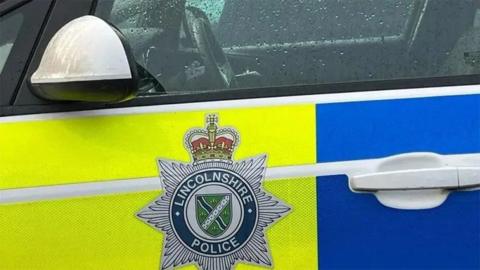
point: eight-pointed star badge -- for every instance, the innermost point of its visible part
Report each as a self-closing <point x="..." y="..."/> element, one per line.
<point x="214" y="211"/>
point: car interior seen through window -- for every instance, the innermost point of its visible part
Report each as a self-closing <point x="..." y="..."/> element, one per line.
<point x="211" y="45"/>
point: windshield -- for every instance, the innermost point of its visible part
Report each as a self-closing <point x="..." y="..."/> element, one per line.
<point x="211" y="45"/>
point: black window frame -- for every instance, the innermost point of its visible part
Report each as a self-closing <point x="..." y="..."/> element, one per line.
<point x="338" y="88"/>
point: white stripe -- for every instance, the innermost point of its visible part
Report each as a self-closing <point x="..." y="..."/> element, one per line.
<point x="154" y="184"/>
<point x="79" y="190"/>
<point x="259" y="102"/>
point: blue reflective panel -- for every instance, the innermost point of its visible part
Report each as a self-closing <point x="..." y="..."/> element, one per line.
<point x="355" y="230"/>
<point x="362" y="130"/>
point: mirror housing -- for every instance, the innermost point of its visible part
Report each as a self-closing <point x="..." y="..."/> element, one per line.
<point x="86" y="60"/>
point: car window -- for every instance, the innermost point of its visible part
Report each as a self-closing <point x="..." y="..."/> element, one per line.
<point x="476" y="22"/>
<point x="213" y="9"/>
<point x="9" y="28"/>
<point x="280" y="22"/>
<point x="210" y="45"/>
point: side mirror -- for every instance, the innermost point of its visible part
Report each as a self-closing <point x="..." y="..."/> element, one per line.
<point x="86" y="60"/>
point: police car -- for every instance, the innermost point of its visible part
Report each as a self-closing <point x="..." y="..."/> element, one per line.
<point x="239" y="134"/>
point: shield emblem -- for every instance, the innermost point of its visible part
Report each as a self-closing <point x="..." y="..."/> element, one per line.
<point x="214" y="213"/>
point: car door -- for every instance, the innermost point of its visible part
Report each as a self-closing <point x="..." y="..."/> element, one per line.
<point x="362" y="174"/>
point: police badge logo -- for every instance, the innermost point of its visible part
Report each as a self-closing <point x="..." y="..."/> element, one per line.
<point x="214" y="211"/>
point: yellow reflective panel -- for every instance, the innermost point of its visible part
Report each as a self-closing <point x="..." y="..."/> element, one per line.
<point x="87" y="233"/>
<point x="103" y="232"/>
<point x="100" y="148"/>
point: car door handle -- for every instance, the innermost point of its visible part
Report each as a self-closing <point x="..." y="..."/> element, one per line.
<point x="416" y="180"/>
<point x="449" y="178"/>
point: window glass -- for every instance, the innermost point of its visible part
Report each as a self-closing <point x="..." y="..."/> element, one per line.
<point x="213" y="9"/>
<point x="210" y="45"/>
<point x="477" y="19"/>
<point x="277" y="22"/>
<point x="9" y="29"/>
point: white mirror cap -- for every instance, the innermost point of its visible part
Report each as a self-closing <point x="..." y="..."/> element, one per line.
<point x="85" y="49"/>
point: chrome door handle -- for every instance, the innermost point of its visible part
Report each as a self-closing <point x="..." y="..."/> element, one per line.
<point x="451" y="178"/>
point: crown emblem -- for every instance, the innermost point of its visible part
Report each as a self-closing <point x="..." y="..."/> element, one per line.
<point x="211" y="143"/>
